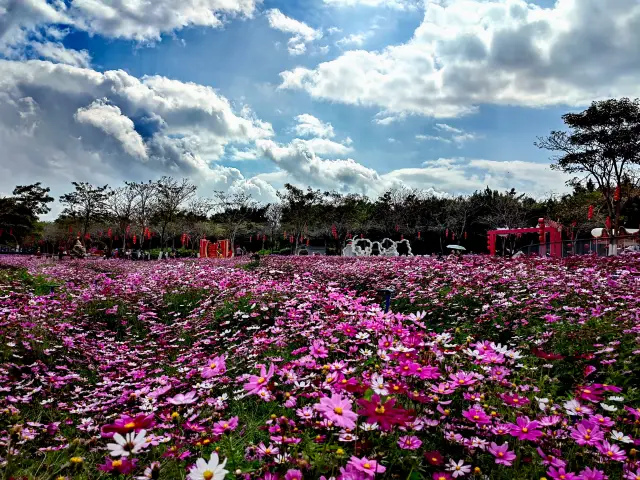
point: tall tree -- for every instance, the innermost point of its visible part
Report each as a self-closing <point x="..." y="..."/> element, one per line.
<point x="299" y="209"/>
<point x="34" y="197"/>
<point x="233" y="210"/>
<point x="171" y="195"/>
<point x="145" y="205"/>
<point x="87" y="204"/>
<point x="120" y="206"/>
<point x="19" y="213"/>
<point x="603" y="144"/>
<point x="273" y="219"/>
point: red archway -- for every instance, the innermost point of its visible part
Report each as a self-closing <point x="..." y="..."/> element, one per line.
<point x="544" y="227"/>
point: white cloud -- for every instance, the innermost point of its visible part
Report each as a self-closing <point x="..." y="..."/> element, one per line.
<point x="457" y="135"/>
<point x="302" y="33"/>
<point x="142" y="21"/>
<point x="461" y="176"/>
<point x="397" y="4"/>
<point x="332" y="30"/>
<point x="310" y="126"/>
<point x="329" y="148"/>
<point x="56" y="52"/>
<point x="110" y="120"/>
<point x="506" y="52"/>
<point x="62" y="123"/>
<point x="301" y="162"/>
<point x="355" y="39"/>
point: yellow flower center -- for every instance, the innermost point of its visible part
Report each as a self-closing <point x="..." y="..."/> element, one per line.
<point x="207" y="475"/>
<point x="338" y="410"/>
<point x="434" y="459"/>
<point x="587" y="391"/>
<point x="268" y="451"/>
<point x="515" y="400"/>
<point x="175" y="415"/>
<point x="367" y="465"/>
<point x="610" y="453"/>
<point x="116" y="463"/>
<point x="460" y="381"/>
<point x="457" y="467"/>
<point x="380" y="409"/>
<point x="405" y="368"/>
<point x="261" y="380"/>
<point x="447" y="412"/>
<point x="525" y="429"/>
<point x="396" y="387"/>
<point x="587" y="437"/>
<point x="130" y="425"/>
<point x="76" y="459"/>
<point x="213" y="365"/>
<point x="339" y="451"/>
<point x="500" y="454"/>
<point x="476" y="417"/>
<point x="226" y="425"/>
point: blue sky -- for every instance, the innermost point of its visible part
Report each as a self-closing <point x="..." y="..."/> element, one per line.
<point x="351" y="95"/>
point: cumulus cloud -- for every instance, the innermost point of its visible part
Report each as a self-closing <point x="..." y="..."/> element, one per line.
<point x="464" y="176"/>
<point x="506" y="52"/>
<point x="396" y="4"/>
<point x="310" y="126"/>
<point x="141" y="21"/>
<point x="302" y="163"/>
<point x="64" y="123"/>
<point x="302" y="34"/>
<point x="56" y="52"/>
<point x="110" y="120"/>
<point x="355" y="39"/>
<point x="329" y="148"/>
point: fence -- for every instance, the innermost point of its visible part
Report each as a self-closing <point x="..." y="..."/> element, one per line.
<point x="581" y="246"/>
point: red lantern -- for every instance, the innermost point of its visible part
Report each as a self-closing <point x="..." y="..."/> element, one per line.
<point x="397" y="228"/>
<point x="109" y="232"/>
<point x="264" y="237"/>
<point x="453" y="236"/>
<point x="608" y="223"/>
<point x="446" y="233"/>
<point x="134" y="239"/>
<point x="541" y="227"/>
<point x="361" y="235"/>
<point x="590" y="213"/>
<point x="70" y="229"/>
<point x="418" y="235"/>
<point x="465" y="235"/>
<point x="616" y="194"/>
<point x="401" y="237"/>
<point x="307" y="242"/>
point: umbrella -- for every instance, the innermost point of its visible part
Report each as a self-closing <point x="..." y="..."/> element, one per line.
<point x="456" y="247"/>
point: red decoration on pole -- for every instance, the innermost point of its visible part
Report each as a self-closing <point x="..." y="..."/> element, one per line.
<point x="465" y="235"/>
<point x="608" y="223"/>
<point x="250" y="238"/>
<point x="397" y="228"/>
<point x="616" y="194"/>
<point x="264" y="237"/>
<point x="70" y="229"/>
<point x="134" y="239"/>
<point x="541" y="228"/>
<point x="307" y="242"/>
<point x="446" y="233"/>
<point x="590" y="212"/>
<point x="418" y="235"/>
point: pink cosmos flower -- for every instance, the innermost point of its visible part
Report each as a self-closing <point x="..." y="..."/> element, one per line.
<point x="611" y="452"/>
<point x="428" y="372"/>
<point x="270" y="450"/>
<point x="586" y="433"/>
<point x="442" y="389"/>
<point x="630" y="475"/>
<point x="318" y="350"/>
<point x="602" y="421"/>
<point x="476" y="415"/>
<point x="550" y="459"/>
<point x="502" y="453"/>
<point x="441" y="476"/>
<point x="525" y="429"/>
<point x="561" y="474"/>
<point x="368" y="467"/>
<point x="122" y="466"/>
<point x="409" y="442"/>
<point x="592" y="474"/>
<point x="224" y="426"/>
<point x="338" y="410"/>
<point x="126" y="424"/>
<point x="458" y="469"/>
<point x="215" y="367"/>
<point x="514" y="400"/>
<point x="257" y="383"/>
<point x="293" y="475"/>
<point x="181" y="399"/>
<point x="462" y="379"/>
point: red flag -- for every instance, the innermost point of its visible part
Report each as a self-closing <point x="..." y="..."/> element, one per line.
<point x="134" y="239"/>
<point x="465" y="235"/>
<point x="70" y="229"/>
<point x="608" y="223"/>
<point x="590" y="213"/>
<point x="307" y="242"/>
<point x="418" y="234"/>
<point x="446" y="233"/>
<point x="397" y="228"/>
<point x="264" y="238"/>
<point x="616" y="194"/>
<point x="453" y="236"/>
<point x="109" y="232"/>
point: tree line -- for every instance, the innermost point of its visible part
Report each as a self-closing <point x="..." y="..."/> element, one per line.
<point x="601" y="149"/>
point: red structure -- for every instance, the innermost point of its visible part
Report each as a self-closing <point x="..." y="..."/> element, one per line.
<point x="544" y="227"/>
<point x="219" y="249"/>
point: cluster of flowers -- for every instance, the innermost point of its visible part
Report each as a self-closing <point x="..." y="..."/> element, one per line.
<point x="484" y="367"/>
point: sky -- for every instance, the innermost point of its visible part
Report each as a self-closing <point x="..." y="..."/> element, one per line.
<point x="356" y="96"/>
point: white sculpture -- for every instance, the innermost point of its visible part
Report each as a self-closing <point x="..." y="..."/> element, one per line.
<point x="386" y="248"/>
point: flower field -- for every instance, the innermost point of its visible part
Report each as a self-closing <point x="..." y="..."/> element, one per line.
<point x="291" y="369"/>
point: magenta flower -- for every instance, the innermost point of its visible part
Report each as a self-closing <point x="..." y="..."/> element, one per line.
<point x="126" y="424"/>
<point x="441" y="476"/>
<point x="476" y="415"/>
<point x="630" y="475"/>
<point x="461" y="379"/>
<point x="561" y="474"/>
<point x="215" y="367"/>
<point x="293" y="475"/>
<point x="368" y="467"/>
<point x="525" y="429"/>
<point x="338" y="410"/>
<point x="257" y="383"/>
<point x="586" y="433"/>
<point x="122" y="466"/>
<point x="592" y="474"/>
<point x="181" y="399"/>
<point x="611" y="451"/>
<point x="409" y="442"/>
<point x="514" y="400"/>
<point x="502" y="453"/>
<point x="602" y="421"/>
<point x="224" y="426"/>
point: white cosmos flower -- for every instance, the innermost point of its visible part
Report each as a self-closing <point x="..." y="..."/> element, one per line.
<point x="621" y="437"/>
<point x="616" y="399"/>
<point x="609" y="408"/>
<point x="130" y="443"/>
<point x="377" y="384"/>
<point x="211" y="470"/>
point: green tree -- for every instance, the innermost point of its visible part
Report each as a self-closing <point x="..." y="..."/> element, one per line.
<point x="87" y="205"/>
